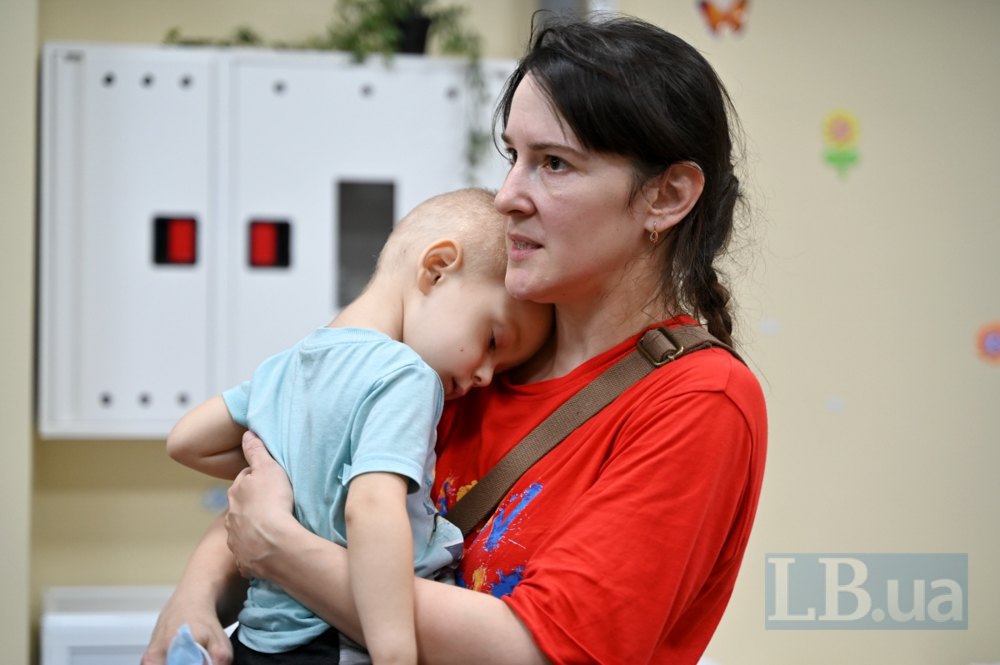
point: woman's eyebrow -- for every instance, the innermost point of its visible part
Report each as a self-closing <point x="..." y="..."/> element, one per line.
<point x="541" y="146"/>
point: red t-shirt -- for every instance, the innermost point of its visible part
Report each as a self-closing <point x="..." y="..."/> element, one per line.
<point x="621" y="545"/>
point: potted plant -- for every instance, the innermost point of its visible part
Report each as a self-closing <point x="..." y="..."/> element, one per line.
<point x="362" y="27"/>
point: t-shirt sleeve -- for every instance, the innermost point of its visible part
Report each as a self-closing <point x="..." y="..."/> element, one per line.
<point x="657" y="529"/>
<point x="237" y="400"/>
<point x="395" y="428"/>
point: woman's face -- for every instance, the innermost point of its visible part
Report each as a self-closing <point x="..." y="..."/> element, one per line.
<point x="572" y="234"/>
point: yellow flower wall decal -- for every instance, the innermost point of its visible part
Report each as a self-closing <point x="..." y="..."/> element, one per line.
<point x="840" y="133"/>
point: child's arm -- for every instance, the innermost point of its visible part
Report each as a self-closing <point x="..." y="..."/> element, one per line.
<point x="208" y="440"/>
<point x="380" y="564"/>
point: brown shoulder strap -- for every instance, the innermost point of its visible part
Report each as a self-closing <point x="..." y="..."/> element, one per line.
<point x="655" y="348"/>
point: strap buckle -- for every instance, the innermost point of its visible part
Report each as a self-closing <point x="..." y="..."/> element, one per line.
<point x="659" y="346"/>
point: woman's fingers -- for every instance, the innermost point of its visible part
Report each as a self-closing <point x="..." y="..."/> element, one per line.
<point x="254" y="449"/>
<point x="259" y="499"/>
<point x="205" y="628"/>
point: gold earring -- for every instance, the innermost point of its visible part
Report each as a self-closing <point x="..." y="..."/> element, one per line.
<point x="654" y="237"/>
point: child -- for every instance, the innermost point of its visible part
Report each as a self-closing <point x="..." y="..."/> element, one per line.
<point x="350" y="413"/>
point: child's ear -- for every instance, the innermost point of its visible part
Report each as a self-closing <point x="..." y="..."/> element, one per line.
<point x="440" y="258"/>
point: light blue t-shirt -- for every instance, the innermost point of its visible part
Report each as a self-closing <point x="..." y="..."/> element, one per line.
<point x="342" y="402"/>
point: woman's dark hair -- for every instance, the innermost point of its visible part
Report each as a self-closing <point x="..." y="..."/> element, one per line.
<point x="629" y="88"/>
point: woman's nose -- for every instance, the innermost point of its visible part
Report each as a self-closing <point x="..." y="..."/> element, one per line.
<point x="512" y="198"/>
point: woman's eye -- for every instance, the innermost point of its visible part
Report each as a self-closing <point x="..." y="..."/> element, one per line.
<point x="511" y="155"/>
<point x="493" y="342"/>
<point x="554" y="163"/>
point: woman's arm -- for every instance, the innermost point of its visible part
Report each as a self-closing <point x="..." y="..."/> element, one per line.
<point x="208" y="440"/>
<point x="209" y="588"/>
<point x="454" y="625"/>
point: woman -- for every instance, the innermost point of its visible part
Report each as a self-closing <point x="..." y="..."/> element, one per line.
<point x="623" y="544"/>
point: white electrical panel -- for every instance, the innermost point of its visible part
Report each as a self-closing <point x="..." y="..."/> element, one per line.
<point x="202" y="209"/>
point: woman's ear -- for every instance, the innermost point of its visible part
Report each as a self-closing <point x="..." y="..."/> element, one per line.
<point x="437" y="260"/>
<point x="671" y="195"/>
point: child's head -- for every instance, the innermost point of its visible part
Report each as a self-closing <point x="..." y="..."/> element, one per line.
<point x="467" y="216"/>
<point x="450" y="253"/>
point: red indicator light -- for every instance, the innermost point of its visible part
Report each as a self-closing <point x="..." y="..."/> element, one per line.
<point x="269" y="243"/>
<point x="175" y="240"/>
<point x="180" y="241"/>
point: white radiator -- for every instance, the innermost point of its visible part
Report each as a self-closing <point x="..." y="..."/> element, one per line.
<point x="98" y="625"/>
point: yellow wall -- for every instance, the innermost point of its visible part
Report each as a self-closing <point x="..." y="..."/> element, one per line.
<point x="503" y="25"/>
<point x="18" y="21"/>
<point x="860" y="306"/>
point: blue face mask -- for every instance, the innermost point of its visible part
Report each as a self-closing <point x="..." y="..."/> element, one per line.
<point x="185" y="651"/>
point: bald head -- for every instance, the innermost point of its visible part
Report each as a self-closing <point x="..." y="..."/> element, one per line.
<point x="466" y="216"/>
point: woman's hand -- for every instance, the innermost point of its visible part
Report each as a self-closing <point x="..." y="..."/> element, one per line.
<point x="210" y="586"/>
<point x="205" y="628"/>
<point x="260" y="505"/>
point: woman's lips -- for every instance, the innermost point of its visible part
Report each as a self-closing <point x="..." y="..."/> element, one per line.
<point x="521" y="247"/>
